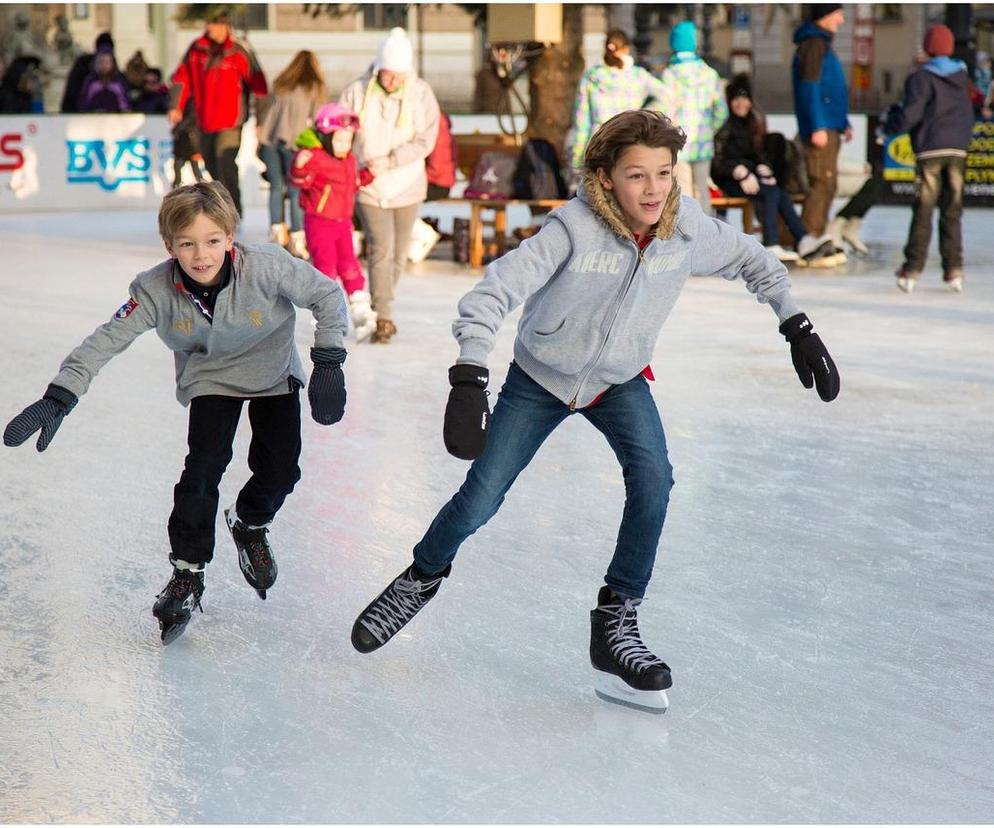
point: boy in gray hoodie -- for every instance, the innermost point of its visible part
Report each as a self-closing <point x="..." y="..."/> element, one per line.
<point x="228" y="313"/>
<point x="598" y="281"/>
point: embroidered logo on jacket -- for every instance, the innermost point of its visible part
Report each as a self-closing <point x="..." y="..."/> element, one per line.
<point x="603" y="261"/>
<point x="125" y="310"/>
<point x="184" y="326"/>
<point x="255" y="317"/>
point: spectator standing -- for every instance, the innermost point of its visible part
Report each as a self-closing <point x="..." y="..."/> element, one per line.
<point x="399" y="118"/>
<point x="740" y="168"/>
<point x="441" y="164"/>
<point x="218" y="73"/>
<point x="693" y="98"/>
<point x="186" y="147"/>
<point x="821" y="103"/>
<point x="605" y="90"/>
<point x="936" y="110"/>
<point x="298" y="92"/>
<point x="80" y="69"/>
<point x="104" y="89"/>
<point x="153" y="97"/>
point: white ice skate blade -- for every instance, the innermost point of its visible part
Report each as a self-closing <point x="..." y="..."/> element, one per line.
<point x="612" y="689"/>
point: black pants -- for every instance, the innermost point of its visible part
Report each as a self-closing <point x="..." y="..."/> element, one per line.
<point x="938" y="183"/>
<point x="859" y="205"/>
<point x="273" y="455"/>
<point x="220" y="150"/>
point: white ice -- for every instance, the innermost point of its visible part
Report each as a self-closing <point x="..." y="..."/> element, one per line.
<point x="823" y="591"/>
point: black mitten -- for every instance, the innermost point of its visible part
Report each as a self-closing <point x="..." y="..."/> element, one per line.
<point x="467" y="415"/>
<point x="326" y="390"/>
<point x="45" y="414"/>
<point x="811" y="359"/>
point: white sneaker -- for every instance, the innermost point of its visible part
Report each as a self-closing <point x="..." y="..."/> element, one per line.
<point x="278" y="234"/>
<point x="851" y="234"/>
<point x="363" y="315"/>
<point x="810" y="246"/>
<point x="297" y="246"/>
<point x="906" y="280"/>
<point x="782" y="254"/>
<point x="836" y="228"/>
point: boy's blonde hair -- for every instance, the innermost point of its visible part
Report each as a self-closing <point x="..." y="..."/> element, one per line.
<point x="636" y="126"/>
<point x="181" y="207"/>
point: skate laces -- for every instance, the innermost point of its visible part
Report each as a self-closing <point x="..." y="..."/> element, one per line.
<point x="181" y="585"/>
<point x="256" y="547"/>
<point x="398" y="605"/>
<point x="624" y="638"/>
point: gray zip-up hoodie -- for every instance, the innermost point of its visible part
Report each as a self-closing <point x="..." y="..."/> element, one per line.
<point x="595" y="303"/>
<point x="246" y="350"/>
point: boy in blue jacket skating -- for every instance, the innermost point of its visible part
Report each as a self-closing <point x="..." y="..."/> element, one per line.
<point x="598" y="281"/>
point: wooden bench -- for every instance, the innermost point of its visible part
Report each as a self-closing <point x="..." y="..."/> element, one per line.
<point x="491" y="214"/>
<point x="749" y="224"/>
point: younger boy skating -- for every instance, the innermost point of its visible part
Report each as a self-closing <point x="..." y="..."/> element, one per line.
<point x="227" y="311"/>
<point x="598" y="281"/>
<point x="325" y="170"/>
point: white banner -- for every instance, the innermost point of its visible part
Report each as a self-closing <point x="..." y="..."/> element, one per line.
<point x="99" y="162"/>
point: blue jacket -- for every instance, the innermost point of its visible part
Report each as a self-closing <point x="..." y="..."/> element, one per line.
<point x="594" y="303"/>
<point x="821" y="99"/>
<point x="936" y="109"/>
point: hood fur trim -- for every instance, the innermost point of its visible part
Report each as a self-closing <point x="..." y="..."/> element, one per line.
<point x="607" y="209"/>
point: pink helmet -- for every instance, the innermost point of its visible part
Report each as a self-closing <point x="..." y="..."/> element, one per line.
<point x="334" y="116"/>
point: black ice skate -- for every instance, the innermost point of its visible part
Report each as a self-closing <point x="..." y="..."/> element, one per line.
<point x="255" y="556"/>
<point x="626" y="672"/>
<point x="176" y="603"/>
<point x="394" y="607"/>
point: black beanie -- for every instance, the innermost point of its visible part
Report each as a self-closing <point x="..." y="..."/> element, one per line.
<point x="819" y="10"/>
<point x="105" y="41"/>
<point x="739" y="87"/>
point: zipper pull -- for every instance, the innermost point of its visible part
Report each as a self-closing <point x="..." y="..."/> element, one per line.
<point x="572" y="404"/>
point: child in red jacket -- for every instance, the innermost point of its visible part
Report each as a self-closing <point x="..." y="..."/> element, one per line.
<point x="326" y="172"/>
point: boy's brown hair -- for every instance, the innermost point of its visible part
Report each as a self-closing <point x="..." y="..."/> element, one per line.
<point x="181" y="206"/>
<point x="636" y="126"/>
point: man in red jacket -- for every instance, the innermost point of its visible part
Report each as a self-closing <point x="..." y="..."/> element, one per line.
<point x="219" y="73"/>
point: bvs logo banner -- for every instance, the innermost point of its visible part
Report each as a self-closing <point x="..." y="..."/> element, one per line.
<point x="108" y="164"/>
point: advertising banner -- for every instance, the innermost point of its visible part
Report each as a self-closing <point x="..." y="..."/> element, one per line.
<point x="897" y="168"/>
<point x="98" y="162"/>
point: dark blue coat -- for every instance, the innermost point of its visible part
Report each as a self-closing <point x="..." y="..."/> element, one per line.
<point x="821" y="99"/>
<point x="936" y="109"/>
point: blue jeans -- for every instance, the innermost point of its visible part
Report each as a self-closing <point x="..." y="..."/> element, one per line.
<point x="278" y="160"/>
<point x="776" y="202"/>
<point x="524" y="415"/>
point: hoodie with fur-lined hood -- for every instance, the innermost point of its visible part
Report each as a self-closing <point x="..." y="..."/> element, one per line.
<point x="594" y="302"/>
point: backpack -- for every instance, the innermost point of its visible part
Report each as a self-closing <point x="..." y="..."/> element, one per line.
<point x="787" y="160"/>
<point x="538" y="174"/>
<point x="493" y="177"/>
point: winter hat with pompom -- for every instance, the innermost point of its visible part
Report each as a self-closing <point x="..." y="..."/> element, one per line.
<point x="396" y="54"/>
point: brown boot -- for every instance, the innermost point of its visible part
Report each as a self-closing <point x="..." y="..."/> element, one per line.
<point x="385" y="329"/>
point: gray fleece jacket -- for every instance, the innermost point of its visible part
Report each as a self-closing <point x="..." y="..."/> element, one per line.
<point x="247" y="350"/>
<point x="595" y="303"/>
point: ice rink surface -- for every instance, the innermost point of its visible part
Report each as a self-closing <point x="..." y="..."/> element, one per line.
<point x="823" y="592"/>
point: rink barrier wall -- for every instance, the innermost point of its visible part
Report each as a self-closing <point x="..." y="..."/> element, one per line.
<point x="103" y="162"/>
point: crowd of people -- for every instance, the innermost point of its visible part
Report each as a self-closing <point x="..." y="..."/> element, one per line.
<point x="400" y="144"/>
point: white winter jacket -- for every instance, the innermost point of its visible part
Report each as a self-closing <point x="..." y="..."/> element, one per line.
<point x="401" y="126"/>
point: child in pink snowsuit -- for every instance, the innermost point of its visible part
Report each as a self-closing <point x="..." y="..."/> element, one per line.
<point x="326" y="172"/>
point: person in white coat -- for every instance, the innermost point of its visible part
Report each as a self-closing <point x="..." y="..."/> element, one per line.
<point x="399" y="117"/>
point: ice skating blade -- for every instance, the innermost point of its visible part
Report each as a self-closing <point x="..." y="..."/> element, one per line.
<point x="612" y="689"/>
<point x="170" y="632"/>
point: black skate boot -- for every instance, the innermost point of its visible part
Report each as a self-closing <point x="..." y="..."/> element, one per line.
<point x="626" y="672"/>
<point x="255" y="555"/>
<point x="394" y="607"/>
<point x="176" y="603"/>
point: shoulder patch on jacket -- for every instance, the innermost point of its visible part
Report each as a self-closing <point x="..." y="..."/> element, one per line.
<point x="126" y="309"/>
